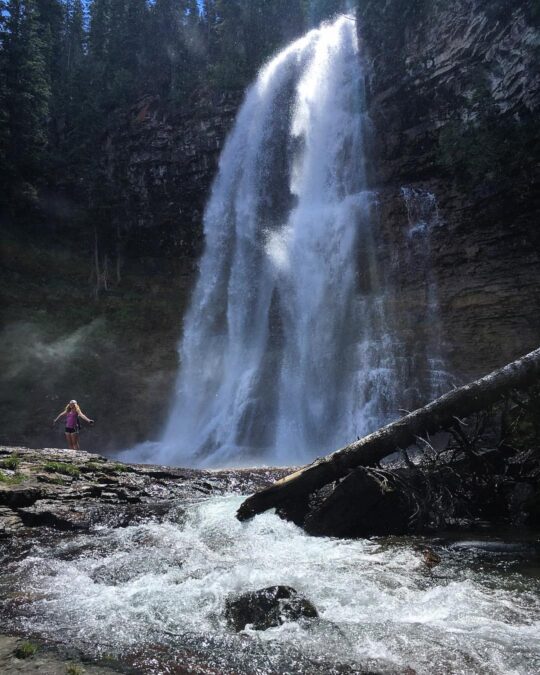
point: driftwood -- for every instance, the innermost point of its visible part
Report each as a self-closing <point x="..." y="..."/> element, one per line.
<point x="441" y="414"/>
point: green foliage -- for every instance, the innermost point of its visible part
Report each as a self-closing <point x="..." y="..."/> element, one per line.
<point x="106" y="467"/>
<point x="242" y="34"/>
<point x="26" y="650"/>
<point x="92" y="466"/>
<point x="57" y="481"/>
<point x="12" y="462"/>
<point x="118" y="468"/>
<point x="74" y="669"/>
<point x="11" y="480"/>
<point x="66" y="65"/>
<point x="63" y="468"/>
<point x="25" y="61"/>
<point x="523" y="422"/>
<point x="319" y="10"/>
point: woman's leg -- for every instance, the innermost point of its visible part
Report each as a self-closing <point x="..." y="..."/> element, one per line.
<point x="75" y="439"/>
<point x="70" y="442"/>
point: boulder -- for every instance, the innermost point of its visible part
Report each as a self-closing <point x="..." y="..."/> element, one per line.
<point x="267" y="607"/>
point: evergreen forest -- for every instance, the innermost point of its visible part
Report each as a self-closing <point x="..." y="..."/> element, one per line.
<point x="67" y="65"/>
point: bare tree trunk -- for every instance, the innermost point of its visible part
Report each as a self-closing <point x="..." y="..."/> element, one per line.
<point x="438" y="415"/>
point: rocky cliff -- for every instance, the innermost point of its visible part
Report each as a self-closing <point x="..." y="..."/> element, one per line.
<point x="95" y="293"/>
<point x="453" y="91"/>
<point x="94" y="296"/>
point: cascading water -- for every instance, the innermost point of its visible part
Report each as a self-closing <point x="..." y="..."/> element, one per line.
<point x="422" y="218"/>
<point x="281" y="355"/>
<point x="153" y="595"/>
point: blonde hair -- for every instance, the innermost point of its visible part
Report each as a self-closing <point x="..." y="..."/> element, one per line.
<point x="67" y="408"/>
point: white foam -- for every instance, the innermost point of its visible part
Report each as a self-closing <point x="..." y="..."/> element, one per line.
<point x="378" y="606"/>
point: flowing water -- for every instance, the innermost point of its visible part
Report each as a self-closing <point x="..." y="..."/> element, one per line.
<point x="153" y="595"/>
<point x="283" y="355"/>
<point x="422" y="219"/>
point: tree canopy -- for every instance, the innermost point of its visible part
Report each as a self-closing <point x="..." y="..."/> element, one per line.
<point x="65" y="65"/>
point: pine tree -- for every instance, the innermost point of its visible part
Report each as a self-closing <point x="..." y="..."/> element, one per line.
<point x="4" y="116"/>
<point x="27" y="92"/>
<point x="229" y="70"/>
<point x="75" y="38"/>
<point x="98" y="46"/>
<point x="136" y="45"/>
<point x="126" y="50"/>
<point x="169" y="53"/>
<point x="208" y="32"/>
<point x="319" y="10"/>
<point x="76" y="103"/>
<point x="193" y="54"/>
<point x="267" y="26"/>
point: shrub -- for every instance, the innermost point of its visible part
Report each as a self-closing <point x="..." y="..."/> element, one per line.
<point x="10" y="480"/>
<point x="25" y="650"/>
<point x="74" y="669"/>
<point x="63" y="467"/>
<point x="12" y="462"/>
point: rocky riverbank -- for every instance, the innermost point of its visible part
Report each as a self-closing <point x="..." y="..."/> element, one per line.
<point x="53" y="493"/>
<point x="112" y="567"/>
<point x="76" y="490"/>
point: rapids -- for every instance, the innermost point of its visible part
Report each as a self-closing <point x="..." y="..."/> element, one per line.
<point x="153" y="595"/>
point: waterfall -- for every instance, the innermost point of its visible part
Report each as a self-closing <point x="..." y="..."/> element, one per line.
<point x="422" y="219"/>
<point x="283" y="352"/>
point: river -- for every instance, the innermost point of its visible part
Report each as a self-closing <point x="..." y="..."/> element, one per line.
<point x="152" y="596"/>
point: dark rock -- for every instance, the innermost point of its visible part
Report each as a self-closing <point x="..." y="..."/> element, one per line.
<point x="19" y="495"/>
<point x="523" y="500"/>
<point x="359" y="506"/>
<point x="50" y="513"/>
<point x="44" y="498"/>
<point x="268" y="607"/>
<point x="497" y="546"/>
<point x="482" y="245"/>
<point x="463" y="491"/>
<point x="10" y="522"/>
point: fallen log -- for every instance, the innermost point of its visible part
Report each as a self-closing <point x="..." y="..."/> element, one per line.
<point x="439" y="415"/>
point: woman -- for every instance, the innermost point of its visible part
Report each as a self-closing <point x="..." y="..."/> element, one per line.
<point x="72" y="413"/>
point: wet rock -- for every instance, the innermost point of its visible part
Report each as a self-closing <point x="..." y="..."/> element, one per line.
<point x="483" y="246"/>
<point x="431" y="559"/>
<point x="106" y="492"/>
<point x="268" y="607"/>
<point x="10" y="522"/>
<point x="497" y="546"/>
<point x="43" y="659"/>
<point x="19" y="495"/>
<point x="49" y="513"/>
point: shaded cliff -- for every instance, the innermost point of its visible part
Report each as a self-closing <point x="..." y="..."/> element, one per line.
<point x="95" y="289"/>
<point x="453" y="94"/>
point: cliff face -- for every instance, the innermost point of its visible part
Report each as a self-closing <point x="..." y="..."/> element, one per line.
<point x="158" y="165"/>
<point x="94" y="300"/>
<point x="94" y="309"/>
<point x="453" y="92"/>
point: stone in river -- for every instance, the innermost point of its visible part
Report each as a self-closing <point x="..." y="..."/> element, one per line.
<point x="267" y="607"/>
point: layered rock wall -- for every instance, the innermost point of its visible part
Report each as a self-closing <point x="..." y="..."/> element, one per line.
<point x="453" y="95"/>
<point x="94" y="301"/>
